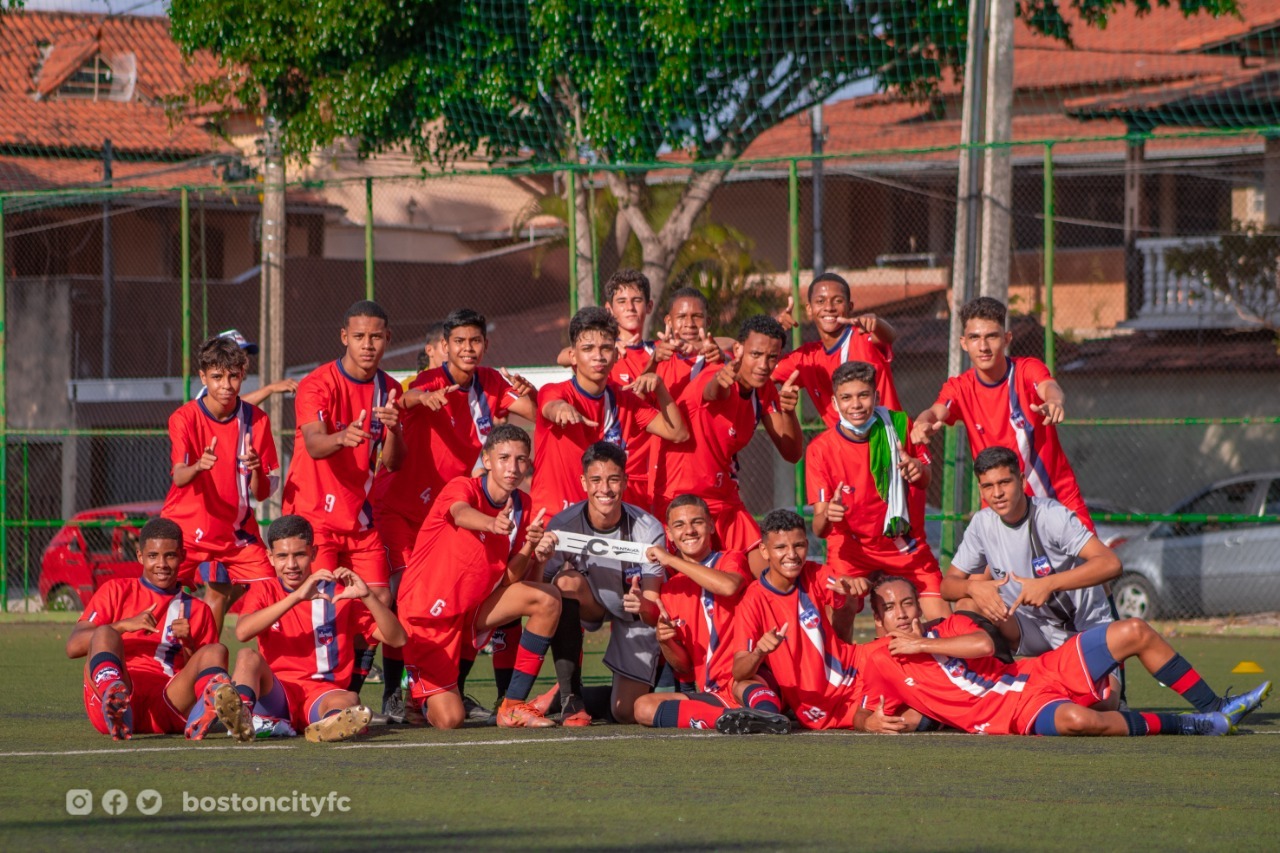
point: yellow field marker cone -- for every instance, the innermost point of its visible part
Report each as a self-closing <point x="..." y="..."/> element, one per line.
<point x="1247" y="667"/>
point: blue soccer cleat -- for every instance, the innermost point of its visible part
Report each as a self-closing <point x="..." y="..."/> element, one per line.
<point x="115" y="710"/>
<point x="1214" y="723"/>
<point x="1236" y="708"/>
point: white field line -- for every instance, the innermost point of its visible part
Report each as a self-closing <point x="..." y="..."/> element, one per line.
<point x="531" y="741"/>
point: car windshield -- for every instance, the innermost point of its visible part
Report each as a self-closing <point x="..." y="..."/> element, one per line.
<point x="1229" y="499"/>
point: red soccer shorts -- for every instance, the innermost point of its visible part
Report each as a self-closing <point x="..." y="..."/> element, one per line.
<point x="434" y="650"/>
<point x="247" y="564"/>
<point x="850" y="558"/>
<point x="296" y="700"/>
<point x="152" y="712"/>
<point x="1074" y="671"/>
<point x="398" y="534"/>
<point x="361" y="552"/>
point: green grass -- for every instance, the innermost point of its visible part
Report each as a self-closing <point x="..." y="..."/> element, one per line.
<point x="616" y="787"/>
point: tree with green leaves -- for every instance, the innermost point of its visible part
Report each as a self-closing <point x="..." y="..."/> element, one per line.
<point x="613" y="84"/>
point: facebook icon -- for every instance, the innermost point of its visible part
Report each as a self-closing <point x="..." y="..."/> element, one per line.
<point x="115" y="801"/>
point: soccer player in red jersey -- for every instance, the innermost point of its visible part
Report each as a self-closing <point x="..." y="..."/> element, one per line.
<point x="789" y="625"/>
<point x="306" y="624"/>
<point x="224" y="459"/>
<point x="694" y="621"/>
<point x="948" y="670"/>
<point x="591" y="407"/>
<point x="867" y="482"/>
<point x="693" y="348"/>
<point x="723" y="409"/>
<point x="1006" y="402"/>
<point x="468" y="575"/>
<point x="448" y="413"/>
<point x="155" y="665"/>
<point x="347" y="419"/>
<point x="842" y="337"/>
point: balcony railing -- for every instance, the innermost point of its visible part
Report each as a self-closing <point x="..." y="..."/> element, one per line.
<point x="1173" y="301"/>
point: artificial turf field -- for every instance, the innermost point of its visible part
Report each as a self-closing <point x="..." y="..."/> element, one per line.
<point x="623" y="787"/>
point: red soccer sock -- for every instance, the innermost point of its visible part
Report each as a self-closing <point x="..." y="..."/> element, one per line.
<point x="692" y="714"/>
<point x="103" y="670"/>
<point x="762" y="698"/>
<point x="504" y="656"/>
<point x="528" y="661"/>
<point x="207" y="675"/>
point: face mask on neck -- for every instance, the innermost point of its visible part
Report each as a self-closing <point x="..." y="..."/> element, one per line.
<point x="859" y="431"/>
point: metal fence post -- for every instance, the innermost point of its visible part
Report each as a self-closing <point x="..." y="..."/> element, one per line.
<point x="793" y="233"/>
<point x="4" y="432"/>
<point x="368" y="239"/>
<point x="185" y="227"/>
<point x="571" y="196"/>
<point x="1050" y="345"/>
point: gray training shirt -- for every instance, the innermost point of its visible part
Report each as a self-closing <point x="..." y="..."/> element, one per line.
<point x="609" y="578"/>
<point x="989" y="542"/>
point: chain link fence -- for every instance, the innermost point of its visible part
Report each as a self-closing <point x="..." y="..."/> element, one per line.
<point x="1170" y="376"/>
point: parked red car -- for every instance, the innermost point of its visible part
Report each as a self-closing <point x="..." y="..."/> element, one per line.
<point x="82" y="558"/>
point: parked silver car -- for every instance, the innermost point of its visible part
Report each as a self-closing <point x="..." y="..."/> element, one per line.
<point x="1208" y="567"/>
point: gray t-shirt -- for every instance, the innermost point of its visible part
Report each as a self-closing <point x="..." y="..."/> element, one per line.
<point x="989" y="542"/>
<point x="609" y="579"/>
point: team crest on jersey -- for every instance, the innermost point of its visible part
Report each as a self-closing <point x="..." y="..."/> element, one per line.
<point x="484" y="424"/>
<point x="809" y="618"/>
<point x="324" y="635"/>
<point x="954" y="667"/>
<point x="1041" y="567"/>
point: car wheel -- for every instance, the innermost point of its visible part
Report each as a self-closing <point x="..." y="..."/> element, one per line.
<point x="64" y="599"/>
<point x="1135" y="598"/>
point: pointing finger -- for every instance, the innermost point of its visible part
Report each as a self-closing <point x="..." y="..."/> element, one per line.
<point x="359" y="424"/>
<point x="791" y="305"/>
<point x="213" y="442"/>
<point x="537" y="519"/>
<point x="838" y="495"/>
<point x="589" y="423"/>
<point x="782" y="632"/>
<point x="391" y="398"/>
<point x="795" y="374"/>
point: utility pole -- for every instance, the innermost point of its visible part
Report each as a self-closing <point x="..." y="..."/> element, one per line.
<point x="968" y="210"/>
<point x="108" y="263"/>
<point x="997" y="171"/>
<point x="817" y="135"/>
<point x="271" y="295"/>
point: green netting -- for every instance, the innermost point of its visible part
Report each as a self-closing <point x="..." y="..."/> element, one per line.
<point x="512" y="155"/>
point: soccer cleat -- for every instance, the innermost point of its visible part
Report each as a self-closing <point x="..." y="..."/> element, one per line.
<point x="1236" y="708"/>
<point x="752" y="721"/>
<point x="115" y="710"/>
<point x="1213" y="723"/>
<point x="232" y="712"/>
<point x="375" y="675"/>
<point x="221" y="704"/>
<point x="265" y="727"/>
<point x="348" y="722"/>
<point x="477" y="712"/>
<point x="521" y="715"/>
<point x="544" y="702"/>
<point x="574" y="714"/>
<point x="393" y="706"/>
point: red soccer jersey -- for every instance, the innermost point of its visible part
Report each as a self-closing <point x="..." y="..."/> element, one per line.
<point x="833" y="458"/>
<point x="444" y="444"/>
<point x="633" y="361"/>
<point x="314" y="640"/>
<point x="707" y="464"/>
<point x="557" y="450"/>
<point x="978" y="695"/>
<point x="704" y="622"/>
<point x="816" y="364"/>
<point x="333" y="493"/>
<point x="453" y="570"/>
<point x="156" y="652"/>
<point x="214" y="510"/>
<point x="814" y="669"/>
<point x="1000" y="415"/>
